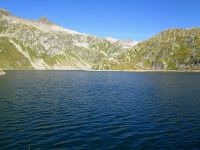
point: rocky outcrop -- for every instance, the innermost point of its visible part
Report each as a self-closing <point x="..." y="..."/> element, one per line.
<point x="157" y="65"/>
<point x="44" y="20"/>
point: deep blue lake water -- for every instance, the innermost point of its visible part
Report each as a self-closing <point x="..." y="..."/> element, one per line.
<point x="43" y="110"/>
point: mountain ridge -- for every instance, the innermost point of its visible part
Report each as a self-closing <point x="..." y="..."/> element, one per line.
<point x="41" y="44"/>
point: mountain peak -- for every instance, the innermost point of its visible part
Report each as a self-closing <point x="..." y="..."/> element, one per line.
<point x="112" y="40"/>
<point x="44" y="20"/>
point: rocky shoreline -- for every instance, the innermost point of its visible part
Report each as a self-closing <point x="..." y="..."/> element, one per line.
<point x="2" y="73"/>
<point x="143" y="70"/>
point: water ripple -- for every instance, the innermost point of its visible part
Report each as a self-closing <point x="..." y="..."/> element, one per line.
<point x="104" y="110"/>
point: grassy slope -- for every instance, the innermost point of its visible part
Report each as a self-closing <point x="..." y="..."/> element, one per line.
<point x="10" y="58"/>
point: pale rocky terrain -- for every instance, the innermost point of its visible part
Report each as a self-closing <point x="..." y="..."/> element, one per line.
<point x="2" y="73"/>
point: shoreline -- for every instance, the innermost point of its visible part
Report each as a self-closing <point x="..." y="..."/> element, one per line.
<point x="145" y="71"/>
<point x="192" y="71"/>
<point x="2" y="73"/>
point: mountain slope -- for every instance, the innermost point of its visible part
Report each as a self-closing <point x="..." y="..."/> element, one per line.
<point x="174" y="49"/>
<point x="44" y="45"/>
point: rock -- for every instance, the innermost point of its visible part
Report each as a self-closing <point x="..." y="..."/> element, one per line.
<point x="158" y="65"/>
<point x="2" y="73"/>
<point x="45" y="20"/>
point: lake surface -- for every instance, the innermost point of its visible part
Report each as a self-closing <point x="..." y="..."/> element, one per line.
<point x="43" y="110"/>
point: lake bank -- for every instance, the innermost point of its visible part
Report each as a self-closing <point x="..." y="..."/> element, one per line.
<point x="2" y="73"/>
<point x="143" y="70"/>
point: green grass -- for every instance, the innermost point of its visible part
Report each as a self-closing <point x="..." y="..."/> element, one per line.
<point x="147" y="63"/>
<point x="10" y="58"/>
<point x="172" y="66"/>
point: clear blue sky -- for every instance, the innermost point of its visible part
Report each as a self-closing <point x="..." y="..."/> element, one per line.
<point x="124" y="19"/>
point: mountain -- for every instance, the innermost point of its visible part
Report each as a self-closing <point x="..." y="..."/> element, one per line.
<point x="173" y="49"/>
<point x="41" y="44"/>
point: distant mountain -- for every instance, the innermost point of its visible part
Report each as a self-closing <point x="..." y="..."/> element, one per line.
<point x="41" y="44"/>
<point x="28" y="44"/>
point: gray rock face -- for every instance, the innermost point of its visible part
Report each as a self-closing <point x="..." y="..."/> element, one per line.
<point x="157" y="65"/>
